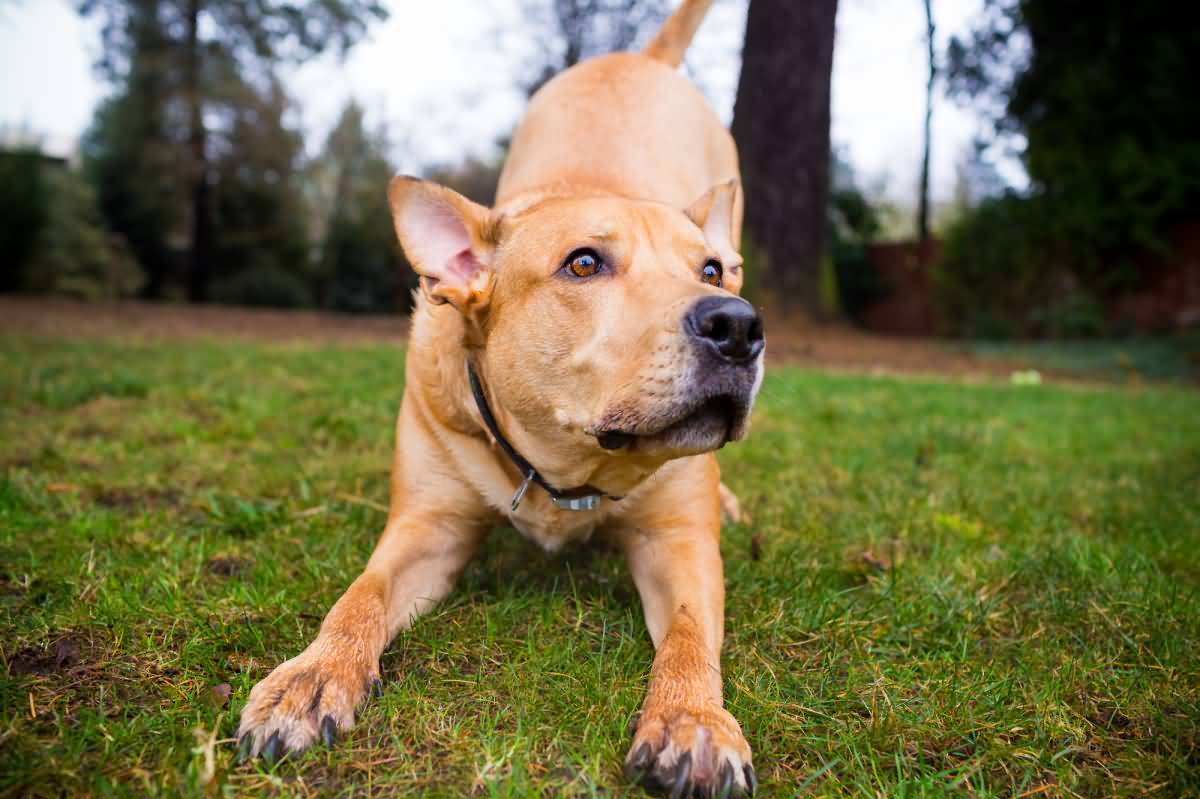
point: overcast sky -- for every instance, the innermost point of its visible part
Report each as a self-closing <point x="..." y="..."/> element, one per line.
<point x="443" y="76"/>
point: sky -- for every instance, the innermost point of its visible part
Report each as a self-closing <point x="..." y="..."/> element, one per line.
<point x="443" y="77"/>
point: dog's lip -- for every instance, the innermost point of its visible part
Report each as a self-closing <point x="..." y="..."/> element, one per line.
<point x="731" y="407"/>
<point x="614" y="439"/>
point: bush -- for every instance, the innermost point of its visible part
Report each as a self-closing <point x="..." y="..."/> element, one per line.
<point x="54" y="236"/>
<point x="993" y="269"/>
<point x="75" y="253"/>
<point x="853" y="224"/>
<point x="24" y="207"/>
<point x="859" y="283"/>
<point x="264" y="284"/>
<point x="1077" y="315"/>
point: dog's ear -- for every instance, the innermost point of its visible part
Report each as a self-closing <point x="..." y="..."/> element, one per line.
<point x="713" y="214"/>
<point x="449" y="240"/>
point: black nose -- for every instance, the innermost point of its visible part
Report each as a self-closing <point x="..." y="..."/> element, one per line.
<point x="729" y="326"/>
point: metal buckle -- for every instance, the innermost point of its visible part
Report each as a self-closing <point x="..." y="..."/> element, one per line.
<point x="521" y="489"/>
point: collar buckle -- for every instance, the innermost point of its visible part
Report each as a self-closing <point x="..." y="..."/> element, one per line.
<point x="521" y="489"/>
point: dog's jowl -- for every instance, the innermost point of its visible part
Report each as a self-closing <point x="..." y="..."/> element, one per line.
<point x="577" y="354"/>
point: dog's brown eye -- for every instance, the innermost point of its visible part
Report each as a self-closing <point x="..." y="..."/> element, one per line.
<point x="583" y="263"/>
<point x="712" y="273"/>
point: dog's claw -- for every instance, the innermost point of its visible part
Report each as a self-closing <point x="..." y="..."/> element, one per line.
<point x="634" y="720"/>
<point x="725" y="787"/>
<point x="245" y="746"/>
<point x="751" y="780"/>
<point x="272" y="750"/>
<point x="637" y="766"/>
<point x="328" y="730"/>
<point x="683" y="772"/>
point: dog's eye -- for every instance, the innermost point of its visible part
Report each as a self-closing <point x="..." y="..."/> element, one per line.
<point x="583" y="263"/>
<point x="712" y="273"/>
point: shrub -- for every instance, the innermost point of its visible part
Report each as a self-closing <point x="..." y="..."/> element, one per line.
<point x="853" y="224"/>
<point x="1077" y="315"/>
<point x="993" y="269"/>
<point x="24" y="202"/>
<point x="264" y="284"/>
<point x="54" y="237"/>
<point x="75" y="253"/>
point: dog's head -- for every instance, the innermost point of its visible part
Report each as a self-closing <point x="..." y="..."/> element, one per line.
<point x="604" y="326"/>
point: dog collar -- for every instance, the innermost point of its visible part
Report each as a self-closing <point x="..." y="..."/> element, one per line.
<point x="583" y="498"/>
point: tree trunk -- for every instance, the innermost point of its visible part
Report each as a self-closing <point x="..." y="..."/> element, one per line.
<point x="781" y="124"/>
<point x="923" y="200"/>
<point x="199" y="266"/>
<point x="147" y="102"/>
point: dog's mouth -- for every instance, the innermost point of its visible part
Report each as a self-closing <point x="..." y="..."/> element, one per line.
<point x="699" y="427"/>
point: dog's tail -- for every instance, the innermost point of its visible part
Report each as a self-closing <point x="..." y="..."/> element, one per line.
<point x="672" y="40"/>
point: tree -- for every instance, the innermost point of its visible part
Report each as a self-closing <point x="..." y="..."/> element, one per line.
<point x="781" y="124"/>
<point x="1106" y="103"/>
<point x="923" y="199"/>
<point x="201" y="40"/>
<point x="128" y="152"/>
<point x="259" y="250"/>
<point x="361" y="266"/>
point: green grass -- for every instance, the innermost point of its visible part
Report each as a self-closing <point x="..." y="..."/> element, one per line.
<point x="1171" y="358"/>
<point x="975" y="590"/>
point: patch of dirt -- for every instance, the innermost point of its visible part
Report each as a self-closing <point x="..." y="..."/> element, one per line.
<point x="791" y="342"/>
<point x="229" y="565"/>
<point x="137" y="499"/>
<point x="53" y="658"/>
<point x="839" y="346"/>
<point x="31" y="660"/>
<point x="65" y="318"/>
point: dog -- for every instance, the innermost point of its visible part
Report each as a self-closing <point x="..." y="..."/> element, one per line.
<point x="577" y="353"/>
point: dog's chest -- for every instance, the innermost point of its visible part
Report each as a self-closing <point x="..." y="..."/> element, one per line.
<point x="551" y="528"/>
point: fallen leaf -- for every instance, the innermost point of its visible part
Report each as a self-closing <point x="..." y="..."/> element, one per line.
<point x="66" y="653"/>
<point x="219" y="694"/>
<point x="876" y="562"/>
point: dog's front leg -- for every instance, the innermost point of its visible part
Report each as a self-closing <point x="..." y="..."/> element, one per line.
<point x="685" y="741"/>
<point x="314" y="695"/>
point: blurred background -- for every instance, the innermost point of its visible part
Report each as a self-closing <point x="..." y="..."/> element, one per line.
<point x="988" y="170"/>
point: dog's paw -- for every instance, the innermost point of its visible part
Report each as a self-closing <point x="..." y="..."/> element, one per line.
<point x="311" y="697"/>
<point x="685" y="751"/>
<point x="731" y="508"/>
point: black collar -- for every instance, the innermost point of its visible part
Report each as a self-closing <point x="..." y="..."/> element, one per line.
<point x="582" y="498"/>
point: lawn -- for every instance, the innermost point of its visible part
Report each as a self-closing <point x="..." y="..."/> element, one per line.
<point x="1173" y="358"/>
<point x="947" y="589"/>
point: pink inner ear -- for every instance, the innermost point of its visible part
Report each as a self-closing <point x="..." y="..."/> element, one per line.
<point x="463" y="267"/>
<point x="439" y="243"/>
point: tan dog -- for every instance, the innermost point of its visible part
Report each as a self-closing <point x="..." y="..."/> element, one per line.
<point x="595" y="311"/>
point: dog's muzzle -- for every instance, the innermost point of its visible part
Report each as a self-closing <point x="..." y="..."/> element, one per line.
<point x="711" y="403"/>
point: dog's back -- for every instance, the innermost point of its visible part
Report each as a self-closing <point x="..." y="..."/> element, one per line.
<point x="628" y="123"/>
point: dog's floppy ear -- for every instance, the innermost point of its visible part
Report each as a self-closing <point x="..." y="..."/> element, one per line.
<point x="713" y="214"/>
<point x="448" y="239"/>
